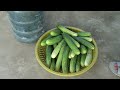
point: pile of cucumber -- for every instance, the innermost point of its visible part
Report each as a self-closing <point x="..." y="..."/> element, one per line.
<point x="68" y="51"/>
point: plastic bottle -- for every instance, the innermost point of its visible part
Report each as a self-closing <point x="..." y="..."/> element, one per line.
<point x="27" y="26"/>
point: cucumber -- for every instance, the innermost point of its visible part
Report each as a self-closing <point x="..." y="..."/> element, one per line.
<point x="55" y="32"/>
<point x="88" y="59"/>
<point x="59" y="59"/>
<point x="83" y="49"/>
<point x="75" y="42"/>
<point x="84" y="42"/>
<point x="43" y="43"/>
<point x="65" y="60"/>
<point x="74" y="29"/>
<point x="72" y="54"/>
<point x="49" y="50"/>
<point x="78" y="63"/>
<point x="57" y="49"/>
<point x="52" y="67"/>
<point x="69" y="64"/>
<point x="73" y="64"/>
<point x="69" y="57"/>
<point x="54" y="40"/>
<point x="84" y="34"/>
<point x="55" y="45"/>
<point x="88" y="38"/>
<point x="82" y="62"/>
<point x="70" y="43"/>
<point x="63" y="29"/>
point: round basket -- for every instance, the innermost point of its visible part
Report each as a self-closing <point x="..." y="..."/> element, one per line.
<point x="40" y="55"/>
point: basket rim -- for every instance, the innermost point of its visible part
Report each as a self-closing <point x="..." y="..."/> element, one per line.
<point x="69" y="74"/>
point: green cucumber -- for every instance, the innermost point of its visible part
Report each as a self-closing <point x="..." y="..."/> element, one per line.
<point x="83" y="49"/>
<point x="55" y="45"/>
<point x="84" y="34"/>
<point x="78" y="67"/>
<point x="69" y="57"/>
<point x="88" y="38"/>
<point x="75" y="42"/>
<point x="63" y="29"/>
<point x="49" y="50"/>
<point x="72" y="54"/>
<point x="74" y="29"/>
<point x="69" y="64"/>
<point x="65" y="60"/>
<point x="70" y="43"/>
<point x="82" y="62"/>
<point x="73" y="64"/>
<point x="59" y="59"/>
<point x="88" y="59"/>
<point x="43" y="42"/>
<point x="54" y="40"/>
<point x="84" y="42"/>
<point x="52" y="67"/>
<point x="57" y="49"/>
<point x="55" y="32"/>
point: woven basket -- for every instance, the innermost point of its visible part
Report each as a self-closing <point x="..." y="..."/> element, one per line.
<point x="40" y="55"/>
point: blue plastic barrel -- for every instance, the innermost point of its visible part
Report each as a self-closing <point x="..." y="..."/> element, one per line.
<point x="27" y="26"/>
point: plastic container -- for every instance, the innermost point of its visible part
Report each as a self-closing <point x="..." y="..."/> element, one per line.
<point x="40" y="56"/>
<point x="27" y="26"/>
